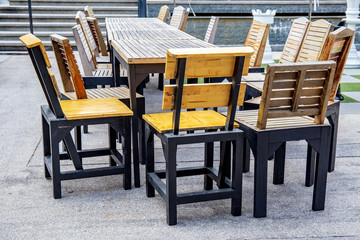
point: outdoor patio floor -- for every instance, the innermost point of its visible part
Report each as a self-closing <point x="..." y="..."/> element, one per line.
<point x="99" y="208"/>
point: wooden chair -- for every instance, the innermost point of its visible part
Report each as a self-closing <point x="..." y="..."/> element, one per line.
<point x="60" y="117"/>
<point x="81" y="20"/>
<point x="98" y="37"/>
<point x="256" y="39"/>
<point x="294" y="40"/>
<point x="87" y="62"/>
<point x="163" y="13"/>
<point x="184" y="21"/>
<point x="211" y="30"/>
<point x="178" y="17"/>
<point x="76" y="87"/>
<point x="89" y="12"/>
<point x="194" y="63"/>
<point x="292" y="92"/>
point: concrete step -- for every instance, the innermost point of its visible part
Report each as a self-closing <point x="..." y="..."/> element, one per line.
<point x="91" y="3"/>
<point x="61" y="18"/>
<point x="98" y="10"/>
<point x="40" y="26"/>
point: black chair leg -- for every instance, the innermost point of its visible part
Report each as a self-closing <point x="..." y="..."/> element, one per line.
<point x="310" y="166"/>
<point x="209" y="162"/>
<point x="237" y="171"/>
<point x="112" y="144"/>
<point x="322" y="162"/>
<point x="246" y="162"/>
<point x="150" y="191"/>
<point x="46" y="144"/>
<point x="334" y="121"/>
<point x="78" y="140"/>
<point x="86" y="129"/>
<point x="161" y="81"/>
<point x="126" y="146"/>
<point x="55" y="163"/>
<point x="171" y="208"/>
<point x="279" y="164"/>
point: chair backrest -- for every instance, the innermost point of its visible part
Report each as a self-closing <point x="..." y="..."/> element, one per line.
<point x="314" y="41"/>
<point x="41" y="64"/>
<point x="98" y="37"/>
<point x="337" y="48"/>
<point x="296" y="89"/>
<point x="184" y="21"/>
<point x="89" y="12"/>
<point x="294" y="40"/>
<point x="81" y="20"/>
<point x="177" y="17"/>
<point x="211" y="30"/>
<point x="86" y="58"/>
<point x="256" y="39"/>
<point x="163" y="13"/>
<point x="205" y="62"/>
<point x="68" y="68"/>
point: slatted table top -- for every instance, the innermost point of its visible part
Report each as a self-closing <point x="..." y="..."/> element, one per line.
<point x="146" y="40"/>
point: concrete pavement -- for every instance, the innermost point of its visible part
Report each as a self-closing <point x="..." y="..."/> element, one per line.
<point x="99" y="208"/>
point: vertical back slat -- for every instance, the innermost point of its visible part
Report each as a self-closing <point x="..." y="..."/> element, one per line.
<point x="337" y="48"/>
<point x="68" y="61"/>
<point x="211" y="30"/>
<point x="294" y="40"/>
<point x="256" y="39"/>
<point x="163" y="13"/>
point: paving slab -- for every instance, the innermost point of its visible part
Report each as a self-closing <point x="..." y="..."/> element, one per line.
<point x="99" y="208"/>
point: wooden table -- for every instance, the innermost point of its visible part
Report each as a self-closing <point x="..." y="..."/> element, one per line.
<point x="140" y="46"/>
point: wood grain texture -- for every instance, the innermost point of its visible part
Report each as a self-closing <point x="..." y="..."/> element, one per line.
<point x="31" y="41"/>
<point x="256" y="39"/>
<point x="337" y="48"/>
<point x="211" y="30"/>
<point x="207" y="62"/>
<point x="177" y="17"/>
<point x="94" y="108"/>
<point x="68" y="68"/>
<point x="163" y="13"/>
<point x="96" y="32"/>
<point x="56" y="87"/>
<point x="189" y="121"/>
<point x="314" y="41"/>
<point x="294" y="40"/>
<point x="81" y="20"/>
<point x="202" y="96"/>
<point x="298" y="89"/>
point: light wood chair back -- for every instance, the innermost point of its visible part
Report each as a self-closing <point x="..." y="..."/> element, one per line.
<point x="202" y="96"/>
<point x="296" y="89"/>
<point x="337" y="48"/>
<point x="42" y="64"/>
<point x="211" y="30"/>
<point x="89" y="12"/>
<point x="98" y="37"/>
<point x="177" y="17"/>
<point x="314" y="41"/>
<point x="163" y="13"/>
<point x="204" y="62"/>
<point x="294" y="40"/>
<point x="86" y="58"/>
<point x="184" y="21"/>
<point x="68" y="68"/>
<point x="256" y="39"/>
<point x="81" y="20"/>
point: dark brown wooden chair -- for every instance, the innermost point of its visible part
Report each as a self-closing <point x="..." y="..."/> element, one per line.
<point x="292" y="94"/>
<point x="60" y="117"/>
<point x="194" y="63"/>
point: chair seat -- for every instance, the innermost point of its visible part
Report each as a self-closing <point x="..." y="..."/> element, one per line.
<point x="94" y="108"/>
<point x="103" y="59"/>
<point x="189" y="121"/>
<point x="102" y="73"/>
<point x="120" y="93"/>
<point x="249" y="118"/>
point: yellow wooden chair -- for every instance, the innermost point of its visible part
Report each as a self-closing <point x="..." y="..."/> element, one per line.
<point x="60" y="117"/>
<point x="195" y="63"/>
